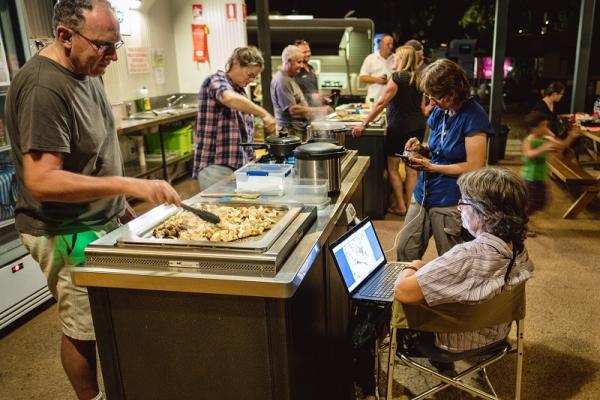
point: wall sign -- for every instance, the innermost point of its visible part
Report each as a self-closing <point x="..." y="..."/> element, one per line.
<point x="138" y="60"/>
<point x="231" y="11"/>
<point x="200" y="42"/>
<point x="197" y="11"/>
<point x="158" y="65"/>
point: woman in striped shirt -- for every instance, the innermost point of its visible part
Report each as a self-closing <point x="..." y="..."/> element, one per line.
<point x="492" y="208"/>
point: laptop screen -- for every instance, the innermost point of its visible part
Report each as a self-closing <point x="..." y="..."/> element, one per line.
<point x="358" y="253"/>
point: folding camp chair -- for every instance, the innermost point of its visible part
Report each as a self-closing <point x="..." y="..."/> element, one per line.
<point x="506" y="307"/>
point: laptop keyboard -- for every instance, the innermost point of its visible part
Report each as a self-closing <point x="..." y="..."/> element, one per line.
<point x="382" y="285"/>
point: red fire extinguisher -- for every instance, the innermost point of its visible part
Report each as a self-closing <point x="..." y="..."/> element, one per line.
<point x="200" y="42"/>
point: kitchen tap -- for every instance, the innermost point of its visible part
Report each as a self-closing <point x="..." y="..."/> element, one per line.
<point x="173" y="100"/>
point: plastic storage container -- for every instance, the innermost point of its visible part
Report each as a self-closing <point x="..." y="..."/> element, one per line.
<point x="178" y="141"/>
<point x="268" y="179"/>
<point x="307" y="191"/>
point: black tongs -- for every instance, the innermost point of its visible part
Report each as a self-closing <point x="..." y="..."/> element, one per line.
<point x="205" y="215"/>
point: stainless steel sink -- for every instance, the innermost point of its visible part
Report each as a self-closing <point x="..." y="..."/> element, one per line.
<point x="187" y="106"/>
<point x="162" y="112"/>
<point x="142" y="115"/>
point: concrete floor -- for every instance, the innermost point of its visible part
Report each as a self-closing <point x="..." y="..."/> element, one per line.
<point x="562" y="345"/>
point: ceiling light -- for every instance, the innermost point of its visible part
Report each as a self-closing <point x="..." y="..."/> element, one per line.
<point x="127" y="4"/>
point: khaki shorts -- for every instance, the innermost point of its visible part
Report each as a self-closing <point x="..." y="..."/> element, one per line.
<point x="55" y="254"/>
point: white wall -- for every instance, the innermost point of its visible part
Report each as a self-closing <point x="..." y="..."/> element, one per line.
<point x="150" y="28"/>
<point x="168" y="25"/>
<point x="224" y="36"/>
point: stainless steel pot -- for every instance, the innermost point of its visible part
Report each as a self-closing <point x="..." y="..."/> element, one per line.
<point x="320" y="160"/>
<point x="332" y="132"/>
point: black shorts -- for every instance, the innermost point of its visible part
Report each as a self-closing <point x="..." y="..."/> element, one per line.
<point x="538" y="196"/>
<point x="395" y="142"/>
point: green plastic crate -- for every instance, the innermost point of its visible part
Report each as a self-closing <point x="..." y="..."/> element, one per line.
<point x="177" y="141"/>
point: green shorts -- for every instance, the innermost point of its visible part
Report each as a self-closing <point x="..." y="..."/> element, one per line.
<point x="55" y="254"/>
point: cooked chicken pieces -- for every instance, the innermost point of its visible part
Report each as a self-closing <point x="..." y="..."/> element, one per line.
<point x="236" y="223"/>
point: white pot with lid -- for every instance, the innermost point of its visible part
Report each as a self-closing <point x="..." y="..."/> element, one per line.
<point x="324" y="131"/>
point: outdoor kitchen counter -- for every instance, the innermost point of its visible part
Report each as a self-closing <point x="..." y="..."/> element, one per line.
<point x="282" y="285"/>
<point x="202" y="336"/>
<point x="372" y="144"/>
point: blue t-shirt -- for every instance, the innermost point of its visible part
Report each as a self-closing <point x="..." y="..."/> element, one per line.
<point x="447" y="144"/>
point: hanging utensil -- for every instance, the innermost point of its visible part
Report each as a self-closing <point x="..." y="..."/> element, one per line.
<point x="203" y="214"/>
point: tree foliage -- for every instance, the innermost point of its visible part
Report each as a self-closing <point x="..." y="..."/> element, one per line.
<point x="478" y="16"/>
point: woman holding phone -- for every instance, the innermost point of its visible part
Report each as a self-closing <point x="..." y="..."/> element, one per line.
<point x="457" y="144"/>
<point x="405" y="120"/>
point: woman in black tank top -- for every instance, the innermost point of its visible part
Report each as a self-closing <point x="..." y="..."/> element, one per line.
<point x="405" y="119"/>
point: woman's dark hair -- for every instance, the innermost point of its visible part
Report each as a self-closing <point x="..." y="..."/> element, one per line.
<point x="247" y="57"/>
<point x="446" y="78"/>
<point x="554" y="87"/>
<point x="70" y="12"/>
<point x="499" y="197"/>
<point x="533" y="119"/>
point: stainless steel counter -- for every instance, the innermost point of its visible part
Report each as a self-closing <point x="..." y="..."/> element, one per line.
<point x="129" y="126"/>
<point x="376" y="128"/>
<point x="283" y="285"/>
<point x="279" y="338"/>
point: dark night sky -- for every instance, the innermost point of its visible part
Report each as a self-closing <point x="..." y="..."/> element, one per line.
<point x="436" y="21"/>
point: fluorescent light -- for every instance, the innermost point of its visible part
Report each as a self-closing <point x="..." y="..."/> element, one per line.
<point x="135" y="4"/>
<point x="297" y="17"/>
<point x="289" y="17"/>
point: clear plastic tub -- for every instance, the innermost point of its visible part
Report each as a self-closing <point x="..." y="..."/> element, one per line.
<point x="265" y="179"/>
<point x="307" y="191"/>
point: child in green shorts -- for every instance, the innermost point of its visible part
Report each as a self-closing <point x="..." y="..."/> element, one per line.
<point x="536" y="147"/>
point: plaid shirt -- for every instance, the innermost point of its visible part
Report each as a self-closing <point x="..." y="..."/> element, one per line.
<point x="220" y="129"/>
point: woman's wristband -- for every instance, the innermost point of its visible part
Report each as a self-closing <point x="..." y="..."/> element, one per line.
<point x="410" y="267"/>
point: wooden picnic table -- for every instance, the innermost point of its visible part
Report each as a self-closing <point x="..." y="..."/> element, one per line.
<point x="573" y="175"/>
<point x="594" y="134"/>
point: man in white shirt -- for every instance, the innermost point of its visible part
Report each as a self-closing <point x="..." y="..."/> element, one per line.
<point x="377" y="68"/>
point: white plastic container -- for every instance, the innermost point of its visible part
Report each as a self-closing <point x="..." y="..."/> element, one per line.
<point x="117" y="110"/>
<point x="267" y="179"/>
<point x="307" y="191"/>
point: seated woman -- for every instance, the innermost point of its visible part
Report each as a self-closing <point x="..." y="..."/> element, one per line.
<point x="492" y="208"/>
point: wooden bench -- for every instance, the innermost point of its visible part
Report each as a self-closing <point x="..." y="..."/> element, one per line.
<point x="572" y="174"/>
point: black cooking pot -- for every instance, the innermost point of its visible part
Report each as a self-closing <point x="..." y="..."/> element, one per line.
<point x="281" y="145"/>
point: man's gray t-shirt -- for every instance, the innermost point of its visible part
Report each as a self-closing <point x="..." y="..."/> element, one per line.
<point x="51" y="109"/>
<point x="285" y="92"/>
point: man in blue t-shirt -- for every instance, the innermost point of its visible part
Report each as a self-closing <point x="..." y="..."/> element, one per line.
<point x="457" y="144"/>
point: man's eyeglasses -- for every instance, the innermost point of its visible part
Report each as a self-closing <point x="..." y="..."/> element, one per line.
<point x="429" y="98"/>
<point x="461" y="202"/>
<point x="102" y="48"/>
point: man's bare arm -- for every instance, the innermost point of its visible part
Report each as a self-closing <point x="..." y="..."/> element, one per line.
<point x="47" y="181"/>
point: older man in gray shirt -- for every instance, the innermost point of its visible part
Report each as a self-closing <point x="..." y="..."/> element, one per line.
<point x="290" y="105"/>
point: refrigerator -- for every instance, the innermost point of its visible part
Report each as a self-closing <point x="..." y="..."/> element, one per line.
<point x="22" y="283"/>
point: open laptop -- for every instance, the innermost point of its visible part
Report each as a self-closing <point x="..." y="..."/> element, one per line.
<point x="361" y="261"/>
